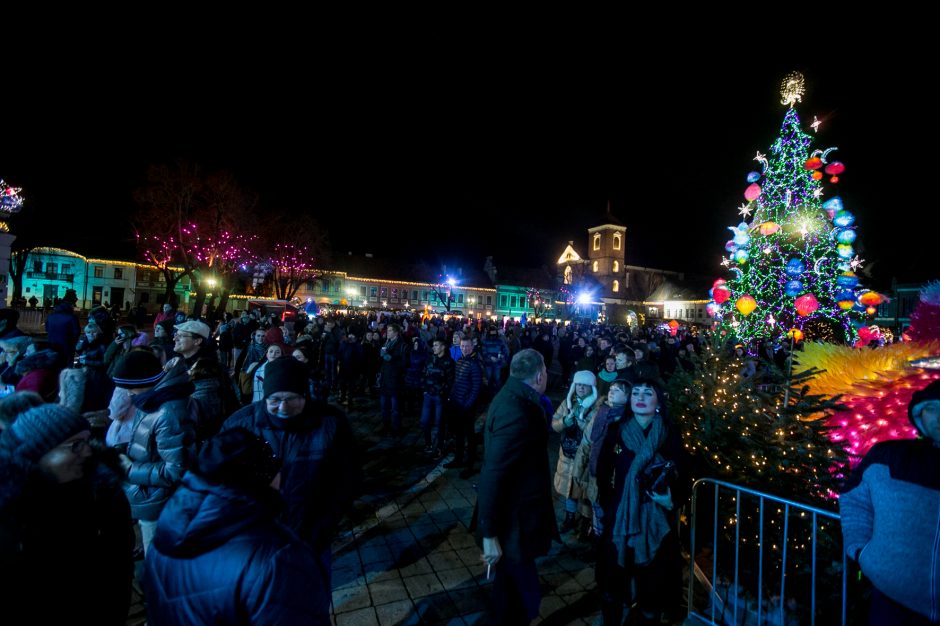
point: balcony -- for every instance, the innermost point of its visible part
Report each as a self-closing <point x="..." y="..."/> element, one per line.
<point x="51" y="276"/>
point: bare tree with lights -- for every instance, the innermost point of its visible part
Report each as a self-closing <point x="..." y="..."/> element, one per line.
<point x="296" y="249"/>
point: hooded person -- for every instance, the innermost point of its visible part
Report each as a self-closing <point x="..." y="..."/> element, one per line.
<point x="320" y="475"/>
<point x="570" y="419"/>
<point x="889" y="518"/>
<point x="220" y="555"/>
<point x="162" y="444"/>
<point x="65" y="524"/>
<point x="40" y="372"/>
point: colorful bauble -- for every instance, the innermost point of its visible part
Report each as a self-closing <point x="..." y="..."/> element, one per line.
<point x="834" y="180"/>
<point x="817" y="175"/>
<point x="713" y="309"/>
<point x="795" y="267"/>
<point x="871" y="298"/>
<point x="807" y="304"/>
<point x="846" y="300"/>
<point x="721" y="293"/>
<point x="845" y="236"/>
<point x="845" y="251"/>
<point x="833" y="204"/>
<point x="847" y="279"/>
<point x="843" y="219"/>
<point x="753" y="177"/>
<point x="769" y="228"/>
<point x="813" y="163"/>
<point x="796" y="334"/>
<point x="753" y="192"/>
<point x="718" y="281"/>
<point x="740" y="256"/>
<point x="835" y="168"/>
<point x="871" y="310"/>
<point x="746" y="305"/>
<point x="730" y="246"/>
<point x="793" y="288"/>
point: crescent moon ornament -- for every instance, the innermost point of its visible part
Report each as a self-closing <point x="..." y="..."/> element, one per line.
<point x="816" y="264"/>
<point x="760" y="158"/>
<point x="738" y="270"/>
<point x="826" y="153"/>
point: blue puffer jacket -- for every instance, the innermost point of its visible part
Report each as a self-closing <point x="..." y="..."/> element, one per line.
<point x="321" y="471"/>
<point x="219" y="557"/>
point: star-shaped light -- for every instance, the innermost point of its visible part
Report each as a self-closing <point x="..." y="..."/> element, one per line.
<point x="856" y="263"/>
<point x="744" y="210"/>
<point x="760" y="158"/>
<point x="818" y="192"/>
<point x="725" y="261"/>
<point x="803" y="229"/>
<point x="815" y="124"/>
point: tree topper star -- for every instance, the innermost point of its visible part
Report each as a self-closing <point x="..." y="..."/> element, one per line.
<point x="744" y="210"/>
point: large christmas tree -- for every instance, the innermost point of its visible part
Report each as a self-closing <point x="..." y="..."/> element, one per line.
<point x="792" y="265"/>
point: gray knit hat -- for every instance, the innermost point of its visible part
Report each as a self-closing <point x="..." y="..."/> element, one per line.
<point x="42" y="428"/>
<point x="919" y="399"/>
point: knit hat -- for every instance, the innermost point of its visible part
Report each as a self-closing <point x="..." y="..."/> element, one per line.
<point x="238" y="458"/>
<point x="42" y="428"/>
<point x="194" y="327"/>
<point x="921" y="398"/>
<point x="285" y="374"/>
<point x="137" y="369"/>
<point x="585" y="377"/>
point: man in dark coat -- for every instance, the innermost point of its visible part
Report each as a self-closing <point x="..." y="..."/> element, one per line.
<point x="64" y="331"/>
<point x="515" y="518"/>
<point x="321" y="472"/>
<point x="220" y="556"/>
<point x="394" y="359"/>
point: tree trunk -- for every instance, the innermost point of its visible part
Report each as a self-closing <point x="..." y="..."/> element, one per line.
<point x="223" y="301"/>
<point x="17" y="271"/>
<point x="199" y="301"/>
<point x="169" y="295"/>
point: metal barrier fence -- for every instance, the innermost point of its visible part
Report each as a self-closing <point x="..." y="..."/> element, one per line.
<point x="753" y="598"/>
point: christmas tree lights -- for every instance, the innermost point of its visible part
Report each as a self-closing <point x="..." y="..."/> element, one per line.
<point x="791" y="265"/>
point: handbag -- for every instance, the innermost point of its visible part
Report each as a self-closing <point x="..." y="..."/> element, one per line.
<point x="656" y="477"/>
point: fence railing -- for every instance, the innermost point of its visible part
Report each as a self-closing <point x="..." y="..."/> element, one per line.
<point x="797" y="550"/>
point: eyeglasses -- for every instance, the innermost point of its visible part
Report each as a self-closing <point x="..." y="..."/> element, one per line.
<point x="185" y="336"/>
<point x="276" y="401"/>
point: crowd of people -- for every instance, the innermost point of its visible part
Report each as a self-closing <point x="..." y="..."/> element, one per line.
<point x="226" y="446"/>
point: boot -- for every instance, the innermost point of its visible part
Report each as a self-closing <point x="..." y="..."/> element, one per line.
<point x="568" y="525"/>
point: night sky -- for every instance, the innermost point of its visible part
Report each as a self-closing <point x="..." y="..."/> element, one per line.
<point x="449" y="148"/>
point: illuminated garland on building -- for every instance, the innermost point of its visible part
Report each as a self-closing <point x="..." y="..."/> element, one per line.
<point x="791" y="266"/>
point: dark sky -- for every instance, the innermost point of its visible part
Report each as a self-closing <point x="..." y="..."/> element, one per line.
<point x="449" y="147"/>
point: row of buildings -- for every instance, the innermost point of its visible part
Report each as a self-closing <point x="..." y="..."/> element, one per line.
<point x="597" y="284"/>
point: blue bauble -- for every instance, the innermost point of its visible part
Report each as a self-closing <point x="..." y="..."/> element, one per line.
<point x="742" y="239"/>
<point x="843" y="219"/>
<point x="845" y="236"/>
<point x="731" y="246"/>
<point x="740" y="256"/>
<point x="753" y="177"/>
<point x="834" y="204"/>
<point x="845" y="251"/>
<point x="793" y="288"/>
<point x="795" y="267"/>
<point x="849" y="282"/>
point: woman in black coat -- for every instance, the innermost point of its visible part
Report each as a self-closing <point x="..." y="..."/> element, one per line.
<point x="639" y="541"/>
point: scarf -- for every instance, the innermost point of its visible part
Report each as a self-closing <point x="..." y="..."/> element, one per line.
<point x="639" y="525"/>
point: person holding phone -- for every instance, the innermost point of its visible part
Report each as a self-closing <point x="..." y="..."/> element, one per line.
<point x="639" y="548"/>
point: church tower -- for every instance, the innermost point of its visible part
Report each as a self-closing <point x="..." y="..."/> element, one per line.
<point x="606" y="247"/>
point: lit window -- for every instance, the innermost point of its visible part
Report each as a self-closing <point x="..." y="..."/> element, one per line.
<point x="568" y="275"/>
<point x="616" y="241"/>
<point x="597" y="242"/>
<point x="616" y="286"/>
<point x="99" y="272"/>
<point x="616" y="266"/>
<point x="594" y="267"/>
<point x="118" y="273"/>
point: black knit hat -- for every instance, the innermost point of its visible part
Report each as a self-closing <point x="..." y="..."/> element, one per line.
<point x="930" y="392"/>
<point x="238" y="458"/>
<point x="285" y="374"/>
<point x="136" y="369"/>
<point x="42" y="428"/>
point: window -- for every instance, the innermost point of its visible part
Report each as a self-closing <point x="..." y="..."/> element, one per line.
<point x="337" y="287"/>
<point x="616" y="285"/>
<point x="414" y="295"/>
<point x="502" y="302"/>
<point x="118" y="273"/>
<point x="384" y="292"/>
<point x="700" y="312"/>
<point x="568" y="279"/>
<point x="489" y="300"/>
<point x="459" y="298"/>
<point x="362" y="291"/>
<point x="424" y="296"/>
<point x="616" y="266"/>
<point x="394" y="294"/>
<point x="594" y="266"/>
<point x="52" y="268"/>
<point x="616" y="241"/>
<point x="37" y="267"/>
<point x="99" y="272"/>
<point x="161" y="278"/>
<point x="373" y="292"/>
<point x="513" y="302"/>
<point x="597" y="242"/>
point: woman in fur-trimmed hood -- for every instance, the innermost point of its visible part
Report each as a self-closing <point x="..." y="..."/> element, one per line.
<point x="40" y="373"/>
<point x="570" y="419"/>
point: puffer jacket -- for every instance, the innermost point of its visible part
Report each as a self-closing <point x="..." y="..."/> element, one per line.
<point x="321" y="471"/>
<point x="220" y="557"/>
<point x="208" y="408"/>
<point x="163" y="444"/>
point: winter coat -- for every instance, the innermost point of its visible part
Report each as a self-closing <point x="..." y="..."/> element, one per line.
<point x="890" y="513"/>
<point x="40" y="371"/>
<point x="495" y="352"/>
<point x="468" y="379"/>
<point x="393" y="361"/>
<point x="350" y="361"/>
<point x="414" y="374"/>
<point x="439" y="376"/>
<point x="220" y="557"/>
<point x="63" y="330"/>
<point x="162" y="446"/>
<point x="565" y="482"/>
<point x="66" y="551"/>
<point x="514" y="501"/>
<point x="321" y="471"/>
<point x="208" y="409"/>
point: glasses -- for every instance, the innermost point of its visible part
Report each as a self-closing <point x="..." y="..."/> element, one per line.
<point x="184" y="335"/>
<point x="276" y="401"/>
